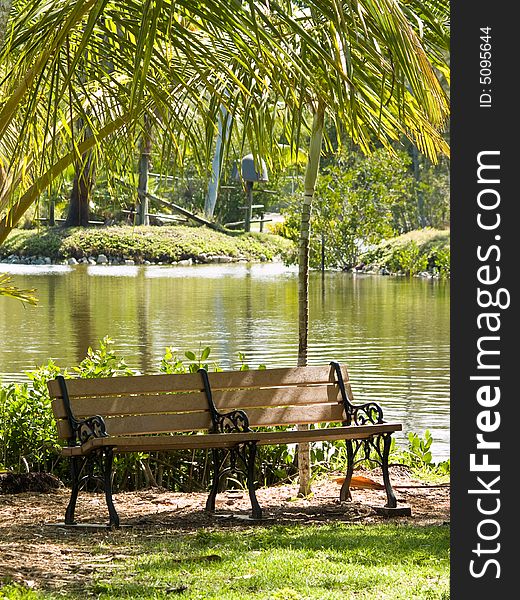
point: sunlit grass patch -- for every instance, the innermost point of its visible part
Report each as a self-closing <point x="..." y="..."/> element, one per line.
<point x="313" y="562"/>
<point x="318" y="562"/>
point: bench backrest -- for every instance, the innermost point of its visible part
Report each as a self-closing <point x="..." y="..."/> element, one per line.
<point x="152" y="404"/>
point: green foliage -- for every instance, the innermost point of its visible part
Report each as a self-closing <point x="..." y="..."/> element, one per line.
<point x="407" y="258"/>
<point x="419" y="449"/>
<point x="359" y="201"/>
<point x="434" y="186"/>
<point x="439" y="261"/>
<point x="411" y="253"/>
<point x="171" y="363"/>
<point x="28" y="439"/>
<point x="47" y="242"/>
<point x="418" y="455"/>
<point x="103" y="362"/>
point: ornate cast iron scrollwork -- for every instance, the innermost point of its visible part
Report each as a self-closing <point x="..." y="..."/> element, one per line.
<point x="85" y="429"/>
<point x="365" y="414"/>
<point x="357" y="414"/>
<point x="235" y="421"/>
<point x="93" y="427"/>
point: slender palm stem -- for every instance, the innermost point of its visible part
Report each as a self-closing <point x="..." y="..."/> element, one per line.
<point x="311" y="176"/>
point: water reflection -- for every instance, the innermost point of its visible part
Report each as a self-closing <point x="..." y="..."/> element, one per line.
<point x="392" y="332"/>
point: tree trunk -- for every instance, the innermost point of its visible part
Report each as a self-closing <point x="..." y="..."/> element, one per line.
<point x="311" y="175"/>
<point x="144" y="167"/>
<point x="211" y="197"/>
<point x="84" y="176"/>
<point x="79" y="210"/>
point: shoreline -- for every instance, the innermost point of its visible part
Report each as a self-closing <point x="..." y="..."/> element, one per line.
<point x="126" y="245"/>
<point x="420" y="253"/>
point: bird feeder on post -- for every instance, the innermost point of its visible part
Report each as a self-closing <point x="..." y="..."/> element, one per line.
<point x="250" y="174"/>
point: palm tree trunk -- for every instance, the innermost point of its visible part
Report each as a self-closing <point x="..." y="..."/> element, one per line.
<point x="78" y="214"/>
<point x="311" y="175"/>
<point x="144" y="167"/>
<point x="79" y="211"/>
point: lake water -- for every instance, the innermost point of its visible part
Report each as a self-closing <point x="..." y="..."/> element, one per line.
<point x="392" y="332"/>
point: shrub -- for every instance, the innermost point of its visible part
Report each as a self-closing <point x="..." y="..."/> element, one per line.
<point x="407" y="258"/>
<point x="28" y="439"/>
<point x="421" y="250"/>
<point x="165" y="244"/>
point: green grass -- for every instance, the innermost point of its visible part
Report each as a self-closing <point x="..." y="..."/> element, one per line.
<point x="274" y="563"/>
<point x="165" y="244"/>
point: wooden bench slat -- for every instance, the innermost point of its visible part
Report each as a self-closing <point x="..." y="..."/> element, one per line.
<point x="158" y="444"/>
<point x="143" y="384"/>
<point x="195" y="421"/>
<point x="225" y="401"/>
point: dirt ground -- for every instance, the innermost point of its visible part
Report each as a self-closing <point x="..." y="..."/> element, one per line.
<point x="37" y="552"/>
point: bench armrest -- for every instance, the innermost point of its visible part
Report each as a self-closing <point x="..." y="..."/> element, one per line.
<point x="85" y="429"/>
<point x="88" y="429"/>
<point x="234" y="421"/>
<point x="357" y="414"/>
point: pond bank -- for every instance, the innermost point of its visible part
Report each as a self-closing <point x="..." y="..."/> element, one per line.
<point x="139" y="245"/>
<point x="424" y="252"/>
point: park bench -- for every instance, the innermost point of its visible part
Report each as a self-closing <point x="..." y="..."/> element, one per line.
<point x="227" y="412"/>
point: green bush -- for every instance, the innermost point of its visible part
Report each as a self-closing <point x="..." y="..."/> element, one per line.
<point x="407" y="258"/>
<point x="418" y="456"/>
<point x="33" y="243"/>
<point x="28" y="438"/>
<point x="411" y="253"/>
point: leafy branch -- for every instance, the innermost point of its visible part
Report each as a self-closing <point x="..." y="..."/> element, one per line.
<point x="6" y="289"/>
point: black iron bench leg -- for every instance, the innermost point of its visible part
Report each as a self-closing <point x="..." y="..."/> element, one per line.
<point x="256" y="510"/>
<point x="101" y="461"/>
<point x="391" y="499"/>
<point x="75" y="471"/>
<point x="107" y="481"/>
<point x="218" y="461"/>
<point x="344" y="493"/>
<point x="246" y="453"/>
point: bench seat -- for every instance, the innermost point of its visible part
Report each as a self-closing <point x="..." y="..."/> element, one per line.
<point x="229" y="440"/>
